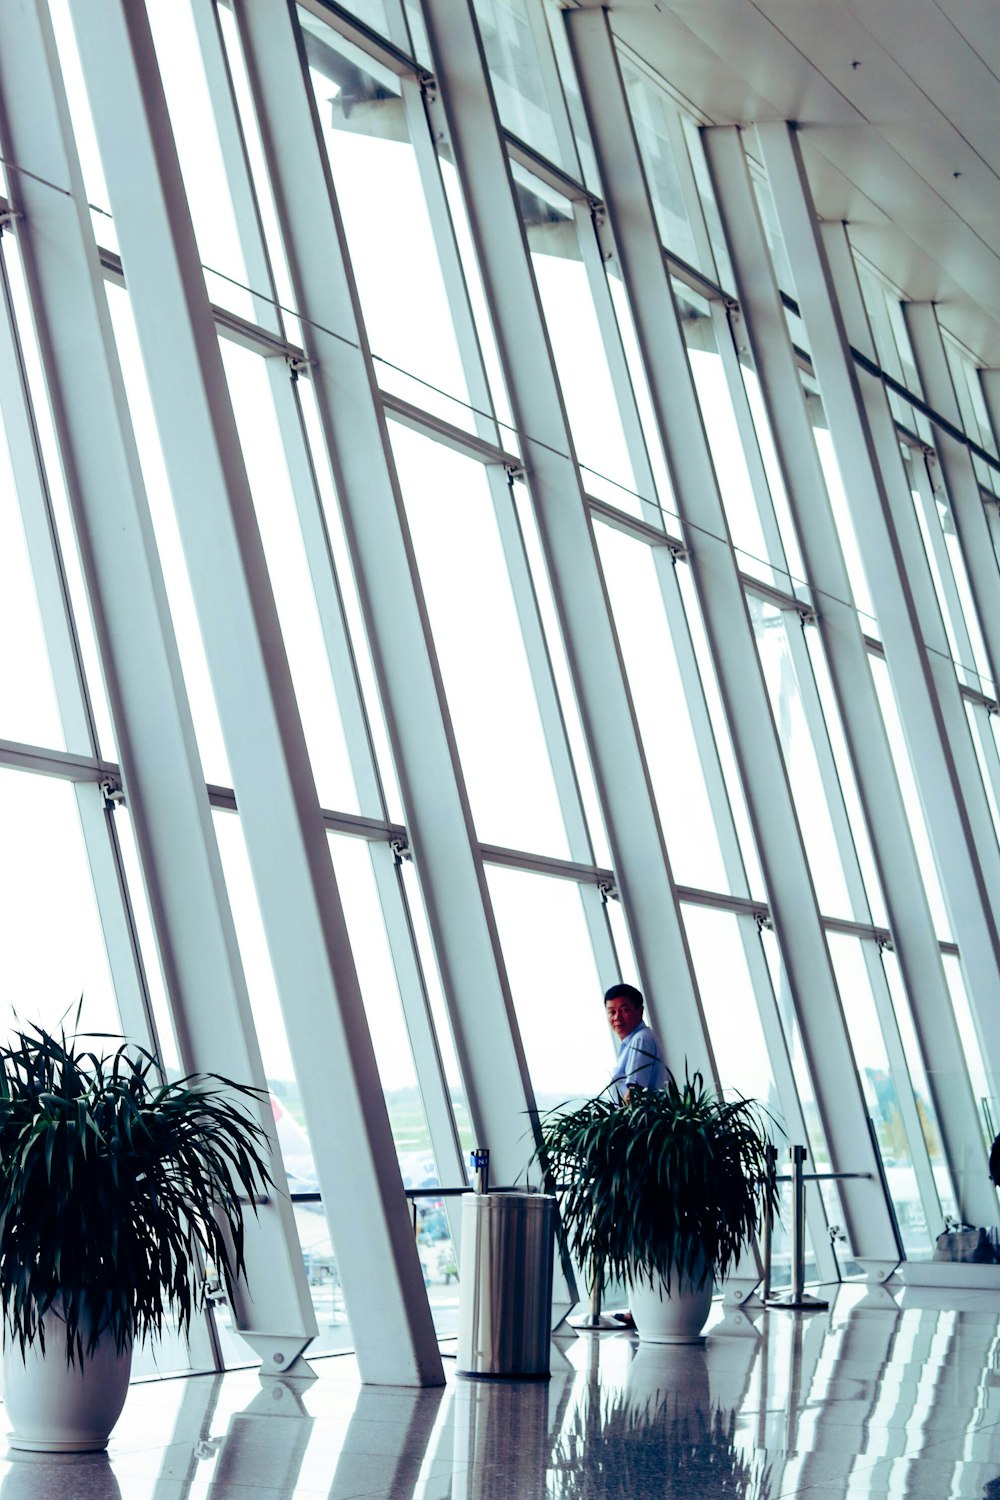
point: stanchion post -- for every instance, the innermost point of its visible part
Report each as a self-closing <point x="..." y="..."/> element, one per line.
<point x="798" y="1299"/>
<point x="594" y="1320"/>
<point x="767" y="1228"/>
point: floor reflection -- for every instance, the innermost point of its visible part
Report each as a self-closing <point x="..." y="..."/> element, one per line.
<point x="890" y="1397"/>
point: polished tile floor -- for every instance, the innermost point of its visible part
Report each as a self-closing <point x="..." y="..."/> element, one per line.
<point x="884" y="1396"/>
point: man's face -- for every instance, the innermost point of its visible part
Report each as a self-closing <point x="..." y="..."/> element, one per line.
<point x="623" y="1015"/>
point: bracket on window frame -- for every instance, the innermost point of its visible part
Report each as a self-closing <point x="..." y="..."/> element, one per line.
<point x="8" y="217"/>
<point x="112" y="793"/>
<point x="609" y="891"/>
<point x="763" y="920"/>
<point x="401" y="850"/>
<point x="297" y="365"/>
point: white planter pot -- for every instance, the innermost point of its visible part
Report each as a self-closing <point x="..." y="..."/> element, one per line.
<point x="675" y="1319"/>
<point x="55" y="1407"/>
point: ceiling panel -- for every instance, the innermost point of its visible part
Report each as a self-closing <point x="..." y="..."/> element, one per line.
<point x="898" y="102"/>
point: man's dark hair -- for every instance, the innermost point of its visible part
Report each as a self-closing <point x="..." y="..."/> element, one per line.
<point x="625" y="992"/>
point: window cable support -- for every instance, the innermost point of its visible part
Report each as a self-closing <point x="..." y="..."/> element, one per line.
<point x="297" y="365"/>
<point x="112" y="793"/>
<point x="516" y="474"/>
<point x="609" y="891"/>
<point x="763" y="920"/>
<point x="401" y="851"/>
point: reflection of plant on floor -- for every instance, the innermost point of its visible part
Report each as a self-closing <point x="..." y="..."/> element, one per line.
<point x="635" y="1445"/>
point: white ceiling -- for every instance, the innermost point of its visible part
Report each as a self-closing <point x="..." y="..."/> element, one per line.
<point x="898" y="104"/>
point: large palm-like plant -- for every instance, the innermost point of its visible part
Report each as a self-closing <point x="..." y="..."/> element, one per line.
<point x="669" y="1180"/>
<point x="115" y="1188"/>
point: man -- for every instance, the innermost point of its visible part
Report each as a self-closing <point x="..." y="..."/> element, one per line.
<point x="640" y="1056"/>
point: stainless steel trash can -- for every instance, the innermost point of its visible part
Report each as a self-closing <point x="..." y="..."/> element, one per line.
<point x="505" y="1296"/>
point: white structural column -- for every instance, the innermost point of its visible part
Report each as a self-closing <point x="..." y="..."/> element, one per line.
<point x="31" y="484"/>
<point x="469" y="122"/>
<point x="285" y="835"/>
<point x="285" y="391"/>
<point x="164" y="786"/>
<point x="959" y="472"/>
<point x="720" y="591"/>
<point x="439" y="821"/>
<point x="877" y="488"/>
<point x="837" y="620"/>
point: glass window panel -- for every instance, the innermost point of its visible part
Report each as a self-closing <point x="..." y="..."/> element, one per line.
<point x="560" y="670"/>
<point x="650" y="108"/>
<point x="286" y="1100"/>
<point x="772" y="230"/>
<point x="518" y="87"/>
<point x="801" y="762"/>
<point x="50" y="931"/>
<point x="628" y="969"/>
<point x="196" y="136"/>
<point x="28" y="708"/>
<point x="730" y="1005"/>
<point x="741" y="1056"/>
<point x="201" y="697"/>
<point x="84" y="135"/>
<point x="911" y="797"/>
<point x="644" y="406"/>
<point x="571" y="91"/>
<point x="672" y="753"/>
<point x="881" y="1089"/>
<point x="793" y="578"/>
<point x="259" y="175"/>
<point x="919" y="1082"/>
<point x="478" y="641"/>
<point x="929" y="522"/>
<point x="435" y="998"/>
<point x="384" y="1008"/>
<point x="323" y="476"/>
<point x="389" y="232"/>
<point x="874" y="294"/>
<point x="577" y="345"/>
<point x="65" y="530"/>
<point x="558" y="996"/>
<point x="980" y="664"/>
<point x="964" y="375"/>
<point x="289" y="574"/>
<point x="735" y="485"/>
<point x="842" y="515"/>
<point x="482" y="317"/>
<point x="985" y="1085"/>
<point x="723" y="741"/>
<point x="845" y="773"/>
<point x="145" y="936"/>
<point x="986" y="753"/>
<point x="819" y="1154"/>
<point x="710" y="209"/>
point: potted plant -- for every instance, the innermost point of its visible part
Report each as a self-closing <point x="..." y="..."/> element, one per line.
<point x="660" y="1191"/>
<point x="116" y="1188"/>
